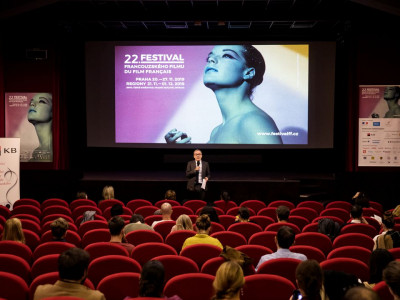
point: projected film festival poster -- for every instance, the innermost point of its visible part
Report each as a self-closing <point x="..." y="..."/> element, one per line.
<point x="379" y="126"/>
<point x="28" y="116"/>
<point x="160" y="88"/>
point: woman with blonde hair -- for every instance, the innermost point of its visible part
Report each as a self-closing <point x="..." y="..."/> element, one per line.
<point x="228" y="281"/>
<point x="183" y="223"/>
<point x="13" y="231"/>
<point x="108" y="192"/>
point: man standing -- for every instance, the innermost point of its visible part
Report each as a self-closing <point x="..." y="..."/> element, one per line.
<point x="198" y="173"/>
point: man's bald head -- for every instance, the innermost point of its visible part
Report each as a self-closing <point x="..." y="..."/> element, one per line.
<point x="166" y="209"/>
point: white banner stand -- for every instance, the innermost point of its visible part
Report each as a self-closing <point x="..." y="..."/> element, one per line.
<point x="9" y="171"/>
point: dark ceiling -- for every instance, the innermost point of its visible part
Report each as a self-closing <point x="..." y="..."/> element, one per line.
<point x="318" y="18"/>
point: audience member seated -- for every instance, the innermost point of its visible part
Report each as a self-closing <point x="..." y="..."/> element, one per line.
<point x="211" y="212"/>
<point x="137" y="223"/>
<point x="108" y="192"/>
<point x="378" y="261"/>
<point x="391" y="275"/>
<point x="151" y="283"/>
<point x="337" y="283"/>
<point x="13" y="231"/>
<point x="361" y="293"/>
<point x="228" y="281"/>
<point x="284" y="239"/>
<point x="81" y="195"/>
<point x="243" y="216"/>
<point x="310" y="280"/>
<point x="88" y="216"/>
<point x="389" y="238"/>
<point x="282" y="214"/>
<point x="329" y="227"/>
<point x="59" y="229"/>
<point x="170" y="195"/>
<point x="231" y="254"/>
<point x="116" y="227"/>
<point x="72" y="267"/>
<point x="116" y="210"/>
<point x="203" y="226"/>
<point x="361" y="199"/>
<point x="356" y="215"/>
<point x="183" y="223"/>
<point x="166" y="212"/>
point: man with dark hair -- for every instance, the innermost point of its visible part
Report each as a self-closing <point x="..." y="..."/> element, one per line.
<point x="282" y="213"/>
<point x="284" y="239"/>
<point x="197" y="173"/>
<point x="116" y="210"/>
<point x="116" y="226"/>
<point x="391" y="275"/>
<point x="72" y="268"/>
<point x="137" y="223"/>
<point x="356" y="214"/>
<point x="59" y="229"/>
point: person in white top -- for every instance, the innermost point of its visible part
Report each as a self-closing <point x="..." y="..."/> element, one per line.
<point x="166" y="212"/>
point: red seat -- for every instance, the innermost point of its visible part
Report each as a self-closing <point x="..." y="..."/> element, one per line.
<point x="176" y="265"/>
<point x="263" y="221"/>
<point x="71" y="237"/>
<point x="309" y="251"/>
<point x="26" y="216"/>
<point x="373" y="222"/>
<point x="147" y="251"/>
<point x="382" y="289"/>
<point x="17" y="288"/>
<point x="170" y="201"/>
<point x="317" y="206"/>
<point x="51" y="218"/>
<point x="53" y="202"/>
<point x="333" y="218"/>
<point x="120" y="285"/>
<point x="226" y="220"/>
<point x="200" y="253"/>
<point x="194" y="205"/>
<point x="15" y="265"/>
<point x="26" y="209"/>
<point x="355" y="252"/>
<point x="347" y="265"/>
<point x="57" y="209"/>
<point x="51" y="248"/>
<point x="46" y="227"/>
<point x="268" y="212"/>
<point x="215" y="227"/>
<point x="266" y="239"/>
<point x="16" y="248"/>
<point x="164" y="228"/>
<point x="254" y="252"/>
<point x="353" y="239"/>
<point x="395" y="252"/>
<point x="45" y="264"/>
<point x="359" y="228"/>
<point x="285" y="267"/>
<point x="146" y="210"/>
<point x="217" y="210"/>
<point x="138" y="237"/>
<point x="247" y="229"/>
<point x="376" y="205"/>
<point x="341" y="213"/>
<point x="211" y="266"/>
<point x="31" y="225"/>
<point x="150" y="219"/>
<point x="101" y="249"/>
<point x="277" y="203"/>
<point x="224" y="205"/>
<point x="255" y="205"/>
<point x="135" y="203"/>
<point x="26" y="201"/>
<point x="5" y="212"/>
<point x="180" y="210"/>
<point x="230" y="238"/>
<point x="182" y="285"/>
<point x="340" y="204"/>
<point x="81" y="202"/>
<point x="177" y="238"/>
<point x="235" y="211"/>
<point x="278" y="288"/>
<point x="31" y="239"/>
<point x="275" y="227"/>
<point x="78" y="211"/>
<point x="308" y="213"/>
<point x="3" y="221"/>
<point x="315" y="239"/>
<point x="370" y="212"/>
<point x="94" y="236"/>
<point x="97" y="217"/>
<point x="111" y="264"/>
<point x="107" y="212"/>
<point x="90" y="225"/>
<point x="300" y="221"/>
<point x="103" y="204"/>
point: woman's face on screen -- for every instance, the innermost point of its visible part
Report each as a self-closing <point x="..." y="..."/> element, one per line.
<point x="40" y="108"/>
<point x="225" y="67"/>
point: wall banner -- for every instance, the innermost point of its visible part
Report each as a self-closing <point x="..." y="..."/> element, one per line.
<point x="9" y="171"/>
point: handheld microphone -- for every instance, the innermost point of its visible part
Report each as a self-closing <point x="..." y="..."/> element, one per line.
<point x="198" y="163"/>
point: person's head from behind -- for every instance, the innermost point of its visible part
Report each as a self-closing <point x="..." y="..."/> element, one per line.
<point x="151" y="283"/>
<point x="116" y="210"/>
<point x="285" y="237"/>
<point x="225" y="196"/>
<point x="361" y="198"/>
<point x="310" y="278"/>
<point x="40" y="108"/>
<point x="73" y="264"/>
<point x="184" y="223"/>
<point x="81" y="195"/>
<point x="116" y="225"/>
<point x="13" y="231"/>
<point x="388" y="220"/>
<point x="170" y="195"/>
<point x="232" y="65"/>
<point x="203" y="224"/>
<point x="361" y="293"/>
<point x="166" y="210"/>
<point x="228" y="281"/>
<point x="356" y="211"/>
<point x="282" y="213"/>
<point x="137" y="218"/>
<point x="244" y="214"/>
<point x="378" y="261"/>
<point x="328" y="227"/>
<point x="108" y="192"/>
<point x="211" y="212"/>
<point x="391" y="93"/>
<point x="59" y="228"/>
<point x="391" y="275"/>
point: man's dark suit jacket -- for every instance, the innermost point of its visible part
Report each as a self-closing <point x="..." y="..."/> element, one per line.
<point x="191" y="173"/>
